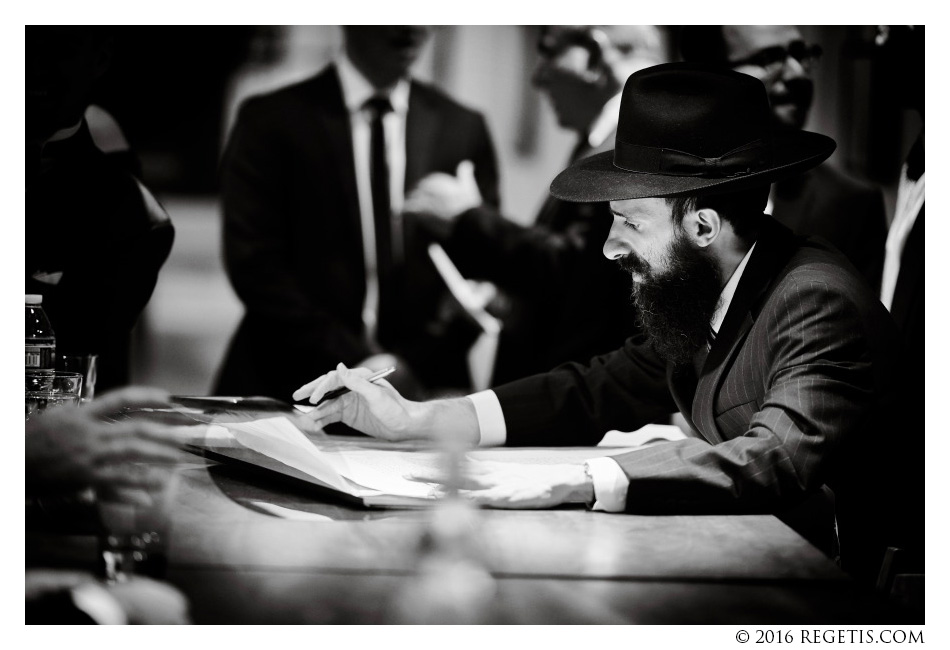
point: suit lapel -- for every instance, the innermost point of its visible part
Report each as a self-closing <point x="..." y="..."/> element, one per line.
<point x="682" y="383"/>
<point x="773" y="248"/>
<point x="422" y="126"/>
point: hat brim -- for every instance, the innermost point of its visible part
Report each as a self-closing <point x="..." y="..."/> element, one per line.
<point x="595" y="179"/>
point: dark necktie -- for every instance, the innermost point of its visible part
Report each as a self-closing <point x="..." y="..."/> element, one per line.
<point x="699" y="360"/>
<point x="581" y="149"/>
<point x="382" y="211"/>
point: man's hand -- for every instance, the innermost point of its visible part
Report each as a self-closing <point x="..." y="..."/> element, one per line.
<point x="445" y="196"/>
<point x="72" y="448"/>
<point x="373" y="408"/>
<point x="521" y="486"/>
<point x="380" y="411"/>
<point x="403" y="379"/>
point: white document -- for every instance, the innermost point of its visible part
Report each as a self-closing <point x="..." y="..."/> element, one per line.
<point x="358" y="472"/>
<point x="386" y="470"/>
<point x="373" y="473"/>
<point x="279" y="439"/>
<point x="481" y="356"/>
<point x="642" y="436"/>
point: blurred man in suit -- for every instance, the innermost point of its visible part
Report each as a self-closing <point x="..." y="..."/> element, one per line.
<point x="313" y="181"/>
<point x="900" y="61"/>
<point x="769" y="344"/>
<point x="96" y="238"/>
<point x="825" y="202"/>
<point x="560" y="299"/>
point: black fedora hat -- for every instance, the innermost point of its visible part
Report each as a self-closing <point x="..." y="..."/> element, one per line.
<point x="687" y="128"/>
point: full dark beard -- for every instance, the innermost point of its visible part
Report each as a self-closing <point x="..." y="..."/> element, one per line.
<point x="676" y="307"/>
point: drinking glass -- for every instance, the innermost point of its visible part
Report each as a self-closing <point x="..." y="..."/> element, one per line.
<point x="84" y="364"/>
<point x="134" y="537"/>
<point x="48" y="388"/>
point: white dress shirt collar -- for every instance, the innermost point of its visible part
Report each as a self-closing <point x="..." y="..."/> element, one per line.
<point x="606" y="122"/>
<point x="728" y="291"/>
<point x="357" y="89"/>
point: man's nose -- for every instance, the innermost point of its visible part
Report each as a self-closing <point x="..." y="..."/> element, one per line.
<point x="616" y="246"/>
<point x="794" y="69"/>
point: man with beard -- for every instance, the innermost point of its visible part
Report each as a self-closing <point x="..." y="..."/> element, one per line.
<point x="825" y="202"/>
<point x="770" y="345"/>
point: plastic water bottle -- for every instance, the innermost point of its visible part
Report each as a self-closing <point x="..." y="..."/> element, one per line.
<point x="40" y="339"/>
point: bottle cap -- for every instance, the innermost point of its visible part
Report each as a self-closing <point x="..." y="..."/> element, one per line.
<point x="34" y="299"/>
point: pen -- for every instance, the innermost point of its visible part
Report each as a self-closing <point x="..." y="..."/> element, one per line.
<point x="343" y="390"/>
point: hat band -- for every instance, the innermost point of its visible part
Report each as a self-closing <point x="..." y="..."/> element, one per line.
<point x="743" y="160"/>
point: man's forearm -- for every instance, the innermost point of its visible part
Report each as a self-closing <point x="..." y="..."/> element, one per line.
<point x="447" y="419"/>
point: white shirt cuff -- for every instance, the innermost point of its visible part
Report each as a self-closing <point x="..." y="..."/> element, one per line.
<point x="491" y="419"/>
<point x="610" y="484"/>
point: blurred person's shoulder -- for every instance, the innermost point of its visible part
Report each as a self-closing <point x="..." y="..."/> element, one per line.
<point x="323" y="87"/>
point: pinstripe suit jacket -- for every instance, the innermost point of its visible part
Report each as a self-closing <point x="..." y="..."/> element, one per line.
<point x="795" y="393"/>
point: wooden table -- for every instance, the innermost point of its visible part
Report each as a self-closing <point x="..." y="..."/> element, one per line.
<point x="238" y="563"/>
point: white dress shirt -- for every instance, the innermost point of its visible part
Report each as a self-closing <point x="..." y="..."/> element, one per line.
<point x="356" y="90"/>
<point x="610" y="482"/>
<point x="910" y="199"/>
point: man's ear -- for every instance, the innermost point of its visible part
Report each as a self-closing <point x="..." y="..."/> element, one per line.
<point x="702" y="226"/>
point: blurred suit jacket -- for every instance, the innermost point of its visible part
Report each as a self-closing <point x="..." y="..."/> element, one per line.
<point x="907" y="308"/>
<point x="293" y="245"/>
<point x="563" y="300"/>
<point x="96" y="239"/>
<point x="797" y="391"/>
<point x="848" y="212"/>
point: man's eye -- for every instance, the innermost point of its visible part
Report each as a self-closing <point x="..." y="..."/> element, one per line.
<point x="632" y="226"/>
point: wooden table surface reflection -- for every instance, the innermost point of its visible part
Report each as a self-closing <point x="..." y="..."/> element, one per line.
<point x="238" y="562"/>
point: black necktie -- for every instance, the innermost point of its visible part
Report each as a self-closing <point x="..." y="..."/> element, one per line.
<point x="382" y="210"/>
<point x="699" y="360"/>
<point x="581" y="149"/>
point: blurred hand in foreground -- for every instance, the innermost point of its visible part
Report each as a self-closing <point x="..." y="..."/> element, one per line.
<point x="138" y="600"/>
<point x="72" y="448"/>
